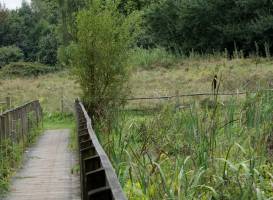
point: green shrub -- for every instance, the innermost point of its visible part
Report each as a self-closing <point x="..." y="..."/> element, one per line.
<point x="26" y="69"/>
<point x="10" y="54"/>
<point x="101" y="53"/>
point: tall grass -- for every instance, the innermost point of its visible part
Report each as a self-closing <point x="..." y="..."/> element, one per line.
<point x="196" y="153"/>
<point x="152" y="58"/>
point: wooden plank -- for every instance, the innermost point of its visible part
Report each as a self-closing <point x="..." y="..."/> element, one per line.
<point x="102" y="177"/>
<point x="46" y="173"/>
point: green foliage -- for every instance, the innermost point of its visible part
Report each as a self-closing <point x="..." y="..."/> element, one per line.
<point x="100" y="54"/>
<point x="58" y="120"/>
<point x="48" y="46"/>
<point x="10" y="54"/>
<point x="129" y="6"/>
<point x="194" y="153"/>
<point x="3" y="14"/>
<point x="65" y="55"/>
<point x="47" y="9"/>
<point x="68" y="11"/>
<point x="211" y="25"/>
<point x="33" y="30"/>
<point x="27" y="69"/>
<point x="151" y="58"/>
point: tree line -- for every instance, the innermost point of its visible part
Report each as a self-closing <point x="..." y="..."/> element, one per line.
<point x="206" y="26"/>
<point x="39" y="29"/>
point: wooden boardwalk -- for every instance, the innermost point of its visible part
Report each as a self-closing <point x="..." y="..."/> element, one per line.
<point x="46" y="173"/>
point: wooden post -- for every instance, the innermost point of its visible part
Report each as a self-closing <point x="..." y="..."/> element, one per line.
<point x="177" y="103"/>
<point x="62" y="104"/>
<point x="8" y="102"/>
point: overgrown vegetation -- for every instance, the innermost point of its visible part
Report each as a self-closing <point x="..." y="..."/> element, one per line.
<point x="26" y="69"/>
<point x="11" y="154"/>
<point x="207" y="26"/>
<point x="151" y="58"/>
<point x="195" y="153"/>
<point x="10" y="54"/>
<point x="100" y="55"/>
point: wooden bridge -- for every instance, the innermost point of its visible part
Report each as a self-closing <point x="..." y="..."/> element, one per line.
<point x="46" y="171"/>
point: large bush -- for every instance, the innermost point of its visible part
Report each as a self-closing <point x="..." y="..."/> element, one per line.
<point x="100" y="54"/>
<point x="211" y="25"/>
<point x="10" y="54"/>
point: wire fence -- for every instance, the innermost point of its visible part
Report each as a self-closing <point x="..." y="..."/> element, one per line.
<point x="194" y="95"/>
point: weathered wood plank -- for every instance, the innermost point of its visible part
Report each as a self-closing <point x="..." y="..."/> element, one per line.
<point x="98" y="178"/>
<point x="46" y="173"/>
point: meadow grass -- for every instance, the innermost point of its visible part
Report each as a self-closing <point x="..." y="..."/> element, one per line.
<point x="195" y="153"/>
<point x="49" y="89"/>
<point x="193" y="74"/>
<point x="184" y="74"/>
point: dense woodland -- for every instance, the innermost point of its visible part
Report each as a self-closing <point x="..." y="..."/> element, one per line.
<point x="35" y="32"/>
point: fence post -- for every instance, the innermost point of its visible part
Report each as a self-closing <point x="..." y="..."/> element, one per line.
<point x="177" y="103"/>
<point x="8" y="102"/>
<point x="62" y="103"/>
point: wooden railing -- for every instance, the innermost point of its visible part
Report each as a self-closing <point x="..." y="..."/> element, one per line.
<point x="98" y="178"/>
<point x="17" y="122"/>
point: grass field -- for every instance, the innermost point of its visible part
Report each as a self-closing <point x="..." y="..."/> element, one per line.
<point x="185" y="75"/>
<point x="195" y="76"/>
<point x="49" y="89"/>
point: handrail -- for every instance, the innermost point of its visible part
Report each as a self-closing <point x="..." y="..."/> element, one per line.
<point x="98" y="178"/>
<point x="16" y="123"/>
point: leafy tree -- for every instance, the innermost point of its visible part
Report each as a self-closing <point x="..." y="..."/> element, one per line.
<point x="29" y="27"/>
<point x="100" y="54"/>
<point x="48" y="46"/>
<point x="3" y="13"/>
<point x="129" y="6"/>
<point x="68" y="11"/>
<point x="209" y="25"/>
<point x="47" y="10"/>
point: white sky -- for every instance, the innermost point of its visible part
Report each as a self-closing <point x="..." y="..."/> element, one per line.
<point x="12" y="4"/>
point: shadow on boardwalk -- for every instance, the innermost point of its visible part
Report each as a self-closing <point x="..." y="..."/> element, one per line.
<point x="46" y="174"/>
